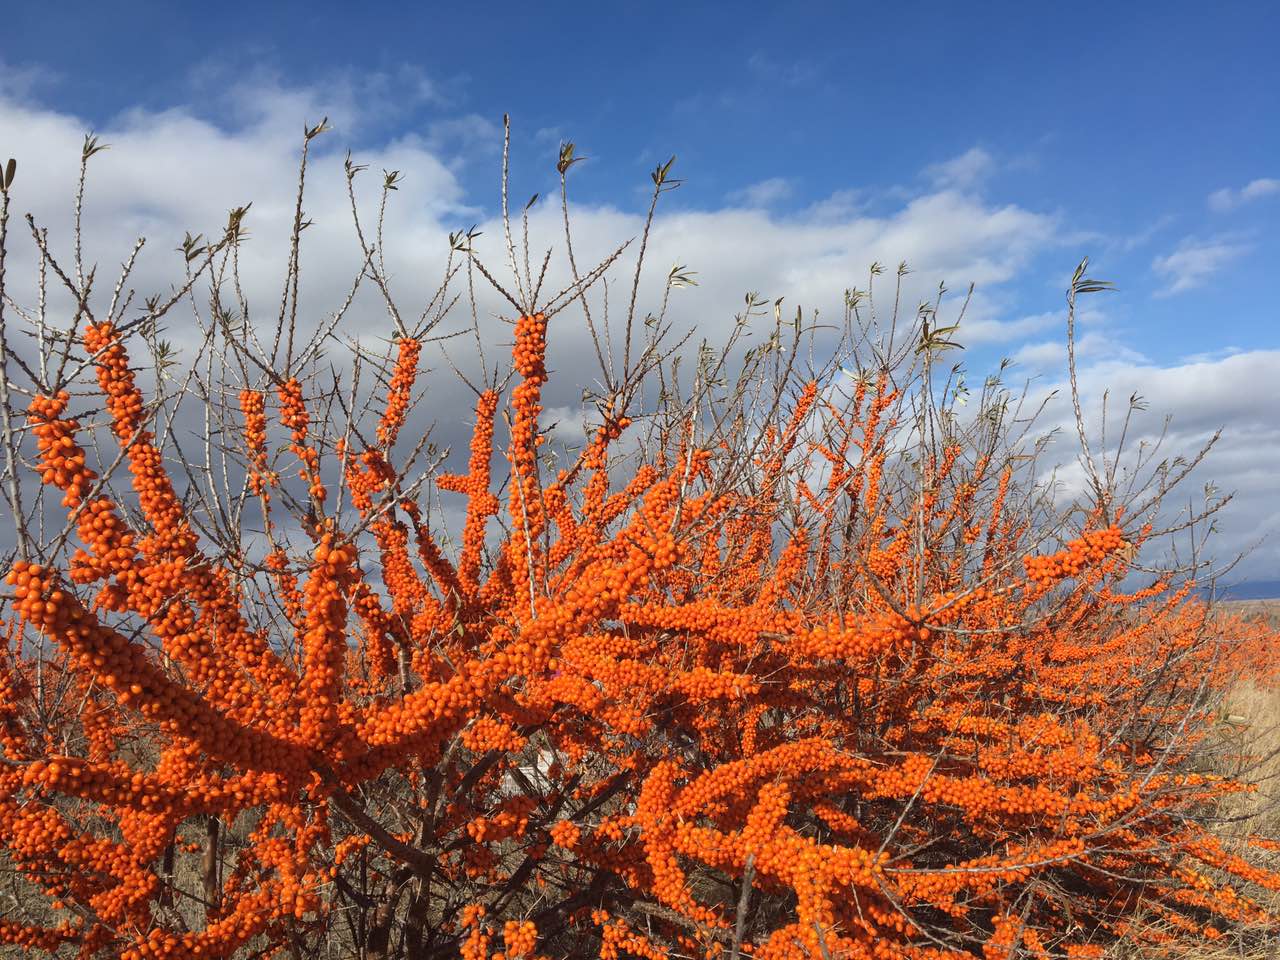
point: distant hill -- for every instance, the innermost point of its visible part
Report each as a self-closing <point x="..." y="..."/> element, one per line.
<point x="1250" y="590"/>
<point x="1229" y="590"/>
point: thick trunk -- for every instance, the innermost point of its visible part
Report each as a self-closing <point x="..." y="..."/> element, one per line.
<point x="379" y="938"/>
<point x="416" y="922"/>
<point x="212" y="889"/>
<point x="166" y="878"/>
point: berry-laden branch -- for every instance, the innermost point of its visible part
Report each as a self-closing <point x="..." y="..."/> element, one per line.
<point x="776" y="668"/>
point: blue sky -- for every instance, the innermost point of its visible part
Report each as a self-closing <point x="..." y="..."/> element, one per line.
<point x="1123" y="118"/>
<point x="994" y="142"/>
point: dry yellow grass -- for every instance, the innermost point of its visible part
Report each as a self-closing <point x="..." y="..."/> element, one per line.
<point x="1269" y="610"/>
<point x="1251" y="715"/>
<point x="1251" y="728"/>
<point x="1249" y="749"/>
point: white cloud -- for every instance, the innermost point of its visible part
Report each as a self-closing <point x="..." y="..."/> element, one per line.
<point x="1226" y="199"/>
<point x="1187" y="403"/>
<point x="467" y="134"/>
<point x="1094" y="346"/>
<point x="793" y="73"/>
<point x="21" y="83"/>
<point x="962" y="172"/>
<point x="1212" y="356"/>
<point x="761" y="195"/>
<point x="988" y="329"/>
<point x="1140" y="238"/>
<point x="1195" y="261"/>
<point x="988" y="322"/>
<point x="840" y="205"/>
<point x="171" y="171"/>
<point x="174" y="170"/>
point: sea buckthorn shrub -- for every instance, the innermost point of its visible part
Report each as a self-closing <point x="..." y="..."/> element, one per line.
<point x="789" y="662"/>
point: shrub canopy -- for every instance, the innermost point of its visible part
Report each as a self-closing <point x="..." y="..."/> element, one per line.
<point x="791" y="658"/>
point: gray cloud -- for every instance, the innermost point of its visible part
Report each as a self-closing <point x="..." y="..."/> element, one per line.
<point x="175" y="170"/>
<point x="1188" y="403"/>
